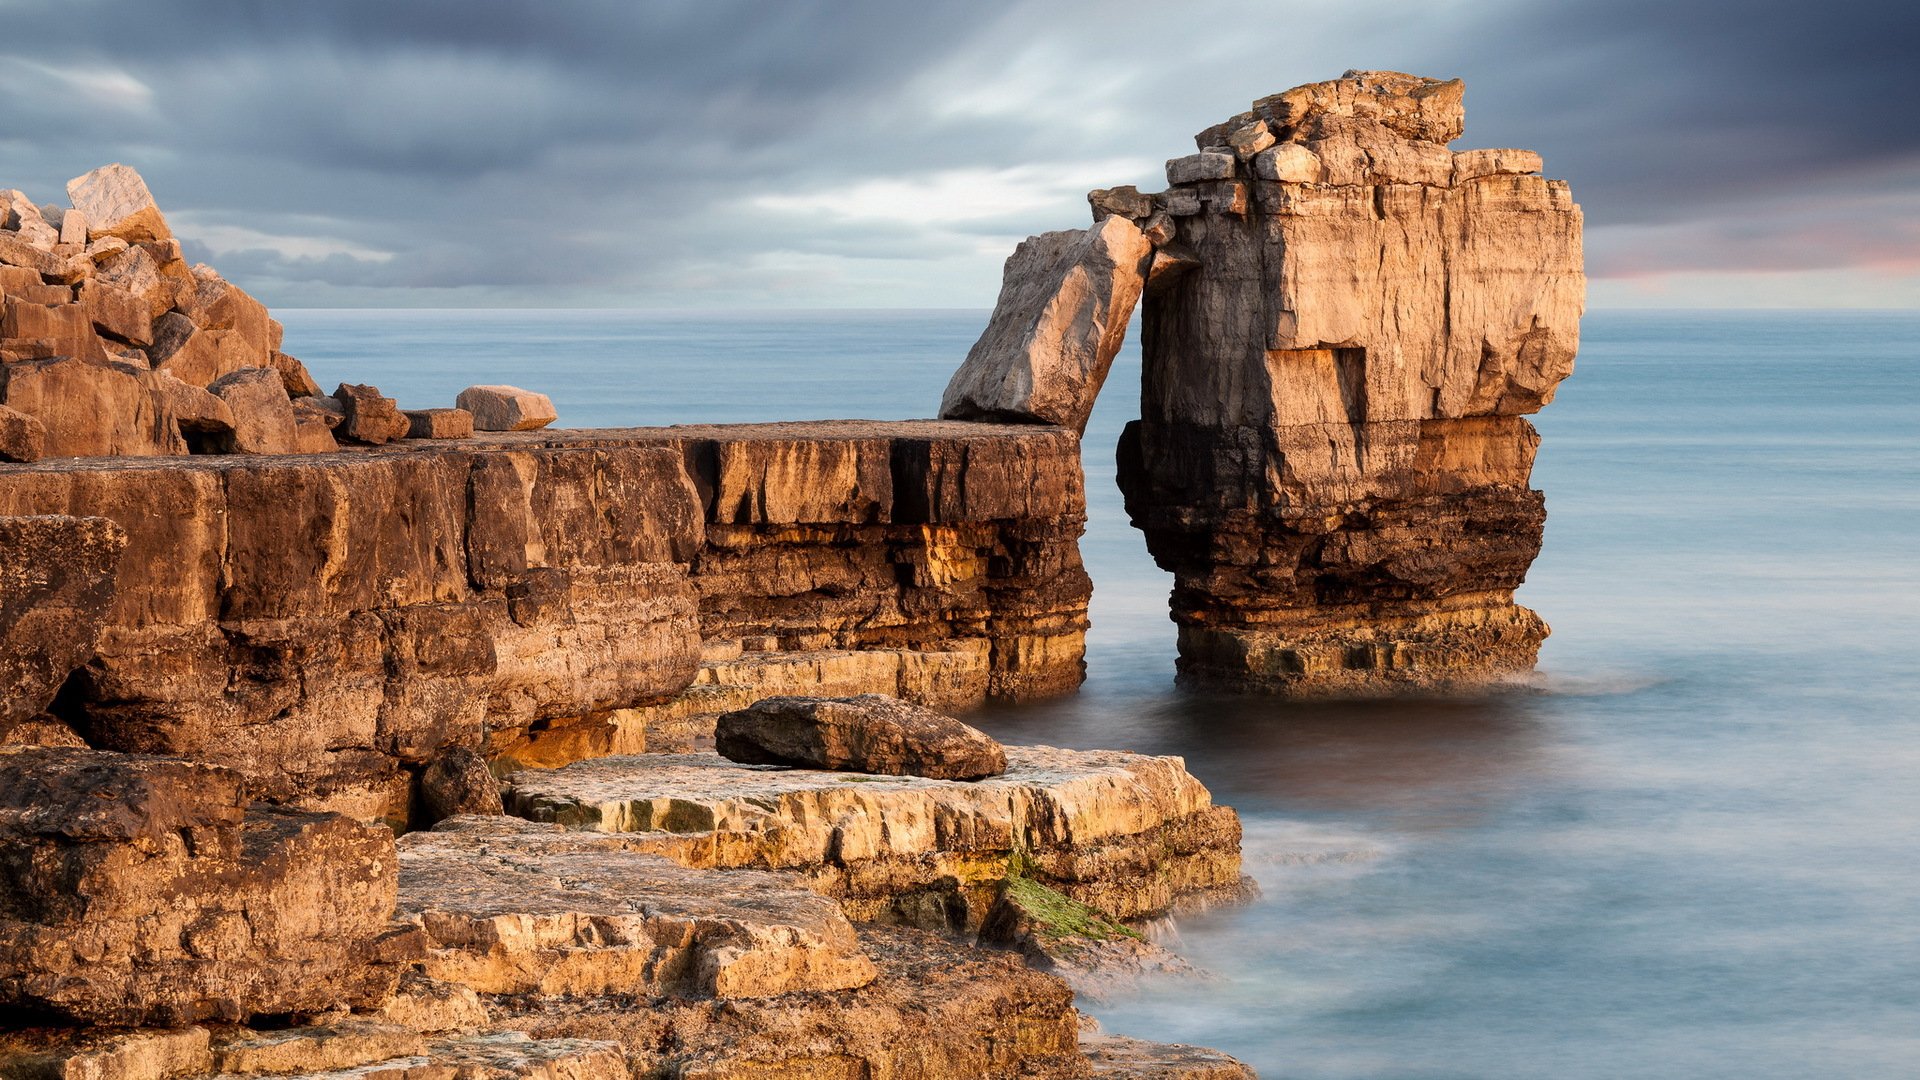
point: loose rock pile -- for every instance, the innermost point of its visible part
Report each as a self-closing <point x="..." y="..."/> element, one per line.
<point x="111" y="344"/>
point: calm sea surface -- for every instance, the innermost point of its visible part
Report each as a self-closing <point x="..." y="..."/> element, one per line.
<point x="1694" y="853"/>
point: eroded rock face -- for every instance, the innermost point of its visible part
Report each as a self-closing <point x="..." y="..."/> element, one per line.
<point x="1130" y="835"/>
<point x="138" y="890"/>
<point x="869" y="733"/>
<point x="56" y="593"/>
<point x="1059" y="322"/>
<point x="1331" y="457"/>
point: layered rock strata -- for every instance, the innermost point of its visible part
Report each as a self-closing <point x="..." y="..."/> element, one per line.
<point x="1345" y="323"/>
<point x="1131" y="836"/>
<point x="1331" y="457"/>
<point x="330" y="625"/>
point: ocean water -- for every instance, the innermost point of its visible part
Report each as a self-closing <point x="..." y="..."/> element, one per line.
<point x="1692" y="851"/>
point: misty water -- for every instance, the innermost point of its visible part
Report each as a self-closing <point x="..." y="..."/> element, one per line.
<point x="1692" y="850"/>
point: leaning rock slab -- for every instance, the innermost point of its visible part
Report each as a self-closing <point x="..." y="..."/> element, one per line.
<point x="870" y="733"/>
<point x="117" y="203"/>
<point x="1060" y="320"/>
<point x="506" y="408"/>
<point x="263" y="416"/>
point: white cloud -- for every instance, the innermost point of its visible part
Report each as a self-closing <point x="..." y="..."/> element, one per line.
<point x="96" y="84"/>
<point x="224" y="239"/>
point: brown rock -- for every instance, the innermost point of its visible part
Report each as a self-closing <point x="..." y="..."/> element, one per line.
<point x="439" y="424"/>
<point x="506" y="408"/>
<point x="457" y="782"/>
<point x="133" y="270"/>
<point x="116" y="202"/>
<point x="321" y="409"/>
<point x="1126" y="201"/>
<point x="96" y="1054"/>
<point x="870" y="733"/>
<point x="117" y="313"/>
<point x="22" y="437"/>
<point x="367" y="417"/>
<point x="266" y="911"/>
<point x="205" y="421"/>
<point x="263" y="419"/>
<point x="293" y="374"/>
<point x="1115" y="1057"/>
<point x="1406" y="106"/>
<point x="15" y="251"/>
<point x="1202" y="166"/>
<point x="61" y="329"/>
<point x="1060" y="320"/>
<point x="56" y="594"/>
<point x="216" y="304"/>
<point x="19" y="214"/>
<point x="312" y="435"/>
<point x="91" y="408"/>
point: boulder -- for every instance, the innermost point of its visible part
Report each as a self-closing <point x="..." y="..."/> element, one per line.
<point x="439" y="424"/>
<point x="314" y="436"/>
<point x="56" y="593"/>
<point x="117" y="313"/>
<point x="1202" y="166"/>
<point x="294" y="374"/>
<point x="19" y="214"/>
<point x="263" y="418"/>
<point x="870" y="733"/>
<point x="140" y="890"/>
<point x="116" y="202"/>
<point x="457" y="782"/>
<point x="506" y="408"/>
<point x="92" y="408"/>
<point x="1126" y="201"/>
<point x="205" y="421"/>
<point x="61" y="328"/>
<point x="1061" y="318"/>
<point x="22" y="437"/>
<point x="366" y="417"/>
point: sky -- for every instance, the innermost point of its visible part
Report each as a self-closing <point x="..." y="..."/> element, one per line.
<point x="717" y="154"/>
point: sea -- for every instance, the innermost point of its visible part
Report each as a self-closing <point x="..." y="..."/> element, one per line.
<point x="1690" y="849"/>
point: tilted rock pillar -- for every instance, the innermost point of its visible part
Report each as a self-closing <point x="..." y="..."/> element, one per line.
<point x="1331" y="456"/>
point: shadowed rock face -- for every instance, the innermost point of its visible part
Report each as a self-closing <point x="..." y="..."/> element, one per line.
<point x="327" y="625"/>
<point x="56" y="589"/>
<point x="1331" y="457"/>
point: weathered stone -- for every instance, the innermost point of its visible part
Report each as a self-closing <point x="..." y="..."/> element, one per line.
<point x="117" y="313"/>
<point x="326" y="1047"/>
<point x="91" y="407"/>
<point x="294" y="374"/>
<point x="439" y="424"/>
<point x="506" y="408"/>
<point x="1115" y="1057"/>
<point x="116" y="202"/>
<point x="366" y="417"/>
<point x="1060" y="320"/>
<point x="1201" y="166"/>
<point x="1097" y="956"/>
<point x="263" y="419"/>
<point x="510" y="908"/>
<point x="19" y="214"/>
<point x="324" y="409"/>
<point x="1474" y="164"/>
<point x="96" y="1054"/>
<point x="312" y="435"/>
<point x="56" y="593"/>
<point x="22" y="437"/>
<point x="217" y="304"/>
<point x="1126" y="201"/>
<point x="1407" y="106"/>
<point x="457" y="782"/>
<point x="1130" y="835"/>
<point x="1250" y="138"/>
<point x="73" y="227"/>
<point x="134" y="271"/>
<point x="15" y="251"/>
<point x="1289" y="163"/>
<point x="137" y="891"/>
<point x="205" y="421"/>
<point x="432" y="1006"/>
<point x="869" y="733"/>
<point x="61" y="329"/>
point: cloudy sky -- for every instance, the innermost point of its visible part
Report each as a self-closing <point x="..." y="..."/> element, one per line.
<point x="876" y="153"/>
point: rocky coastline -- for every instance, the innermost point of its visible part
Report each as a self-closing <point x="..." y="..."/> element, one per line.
<point x="347" y="741"/>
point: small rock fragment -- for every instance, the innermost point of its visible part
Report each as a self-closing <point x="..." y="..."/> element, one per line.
<point x="439" y="424"/>
<point x="294" y="374"/>
<point x="870" y="733"/>
<point x="1126" y="201"/>
<point x="457" y="782"/>
<point x="368" y="417"/>
<point x="1250" y="138"/>
<point x="506" y="408"/>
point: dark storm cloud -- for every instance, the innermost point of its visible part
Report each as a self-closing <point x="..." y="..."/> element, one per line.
<point x="877" y="152"/>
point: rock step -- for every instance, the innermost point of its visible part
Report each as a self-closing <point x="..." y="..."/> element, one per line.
<point x="1120" y="1058"/>
<point x="499" y="1055"/>
<point x="731" y="678"/>
<point x="512" y="907"/>
<point x="1128" y="834"/>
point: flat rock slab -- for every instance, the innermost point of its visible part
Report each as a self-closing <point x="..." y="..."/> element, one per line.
<point x="514" y="907"/>
<point x="868" y="733"/>
<point x="504" y="1055"/>
<point x="1119" y="1058"/>
<point x="1126" y="833"/>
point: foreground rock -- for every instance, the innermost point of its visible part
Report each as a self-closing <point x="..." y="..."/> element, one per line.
<point x="1059" y="322"/>
<point x="1134" y="837"/>
<point x="870" y="733"/>
<point x="137" y="890"/>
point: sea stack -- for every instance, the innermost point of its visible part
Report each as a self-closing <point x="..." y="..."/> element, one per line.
<point x="1332" y="456"/>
